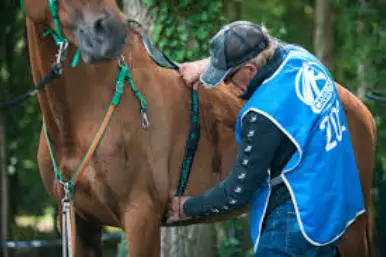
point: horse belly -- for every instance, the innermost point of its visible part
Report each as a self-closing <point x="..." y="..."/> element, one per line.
<point x="355" y="242"/>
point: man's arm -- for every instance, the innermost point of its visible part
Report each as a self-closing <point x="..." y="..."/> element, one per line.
<point x="260" y="139"/>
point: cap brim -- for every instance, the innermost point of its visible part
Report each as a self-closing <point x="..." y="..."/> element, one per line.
<point x="212" y="76"/>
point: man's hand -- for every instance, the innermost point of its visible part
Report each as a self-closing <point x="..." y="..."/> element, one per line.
<point x="176" y="210"/>
<point x="191" y="71"/>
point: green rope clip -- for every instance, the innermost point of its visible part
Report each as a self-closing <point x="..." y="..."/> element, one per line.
<point x="137" y="94"/>
<point x="119" y="84"/>
<point x="57" y="34"/>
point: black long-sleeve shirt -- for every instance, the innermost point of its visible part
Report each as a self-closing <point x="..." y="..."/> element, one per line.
<point x="263" y="147"/>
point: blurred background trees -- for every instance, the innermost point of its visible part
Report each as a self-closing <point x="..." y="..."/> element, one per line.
<point x="349" y="36"/>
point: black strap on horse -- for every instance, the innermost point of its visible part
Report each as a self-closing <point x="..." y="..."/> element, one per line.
<point x="191" y="144"/>
<point x="377" y="95"/>
<point x="194" y="132"/>
<point x="55" y="72"/>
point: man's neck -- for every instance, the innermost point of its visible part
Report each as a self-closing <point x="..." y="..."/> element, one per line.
<point x="265" y="72"/>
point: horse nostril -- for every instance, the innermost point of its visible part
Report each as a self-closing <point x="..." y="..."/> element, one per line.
<point x="100" y="26"/>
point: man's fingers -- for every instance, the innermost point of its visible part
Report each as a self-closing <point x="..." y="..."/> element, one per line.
<point x="173" y="216"/>
<point x="172" y="220"/>
<point x="195" y="85"/>
<point x="182" y="67"/>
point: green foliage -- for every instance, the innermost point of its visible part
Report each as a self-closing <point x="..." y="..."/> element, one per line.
<point x="122" y="248"/>
<point x="183" y="28"/>
<point x="27" y="194"/>
<point x="286" y="20"/>
<point x="235" y="241"/>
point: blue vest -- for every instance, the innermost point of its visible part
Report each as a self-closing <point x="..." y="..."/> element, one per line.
<point x="300" y="98"/>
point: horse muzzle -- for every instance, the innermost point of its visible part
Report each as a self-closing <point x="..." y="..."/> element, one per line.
<point x="101" y="38"/>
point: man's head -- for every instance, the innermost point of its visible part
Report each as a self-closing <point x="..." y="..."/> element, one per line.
<point x="238" y="50"/>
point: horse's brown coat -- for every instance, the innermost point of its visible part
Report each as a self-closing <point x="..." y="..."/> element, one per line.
<point x="134" y="172"/>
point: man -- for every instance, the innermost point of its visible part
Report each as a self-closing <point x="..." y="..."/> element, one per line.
<point x="295" y="165"/>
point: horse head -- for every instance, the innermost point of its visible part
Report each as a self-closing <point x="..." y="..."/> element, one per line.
<point x="96" y="27"/>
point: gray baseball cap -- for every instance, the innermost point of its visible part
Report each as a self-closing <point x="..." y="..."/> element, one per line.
<point x="233" y="45"/>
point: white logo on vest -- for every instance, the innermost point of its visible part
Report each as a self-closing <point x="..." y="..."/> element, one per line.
<point x="313" y="86"/>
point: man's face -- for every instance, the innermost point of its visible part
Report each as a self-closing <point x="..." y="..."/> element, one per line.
<point x="241" y="75"/>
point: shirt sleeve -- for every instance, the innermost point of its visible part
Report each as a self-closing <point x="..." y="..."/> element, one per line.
<point x="260" y="139"/>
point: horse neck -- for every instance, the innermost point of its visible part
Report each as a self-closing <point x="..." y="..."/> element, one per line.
<point x="87" y="89"/>
<point x="65" y="101"/>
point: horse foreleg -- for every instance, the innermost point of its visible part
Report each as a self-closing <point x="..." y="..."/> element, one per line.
<point x="142" y="228"/>
<point x="88" y="238"/>
<point x="354" y="243"/>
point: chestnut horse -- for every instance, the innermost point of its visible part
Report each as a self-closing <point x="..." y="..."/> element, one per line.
<point x="132" y="175"/>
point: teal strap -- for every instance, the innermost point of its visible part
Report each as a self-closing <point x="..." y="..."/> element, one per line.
<point x="58" y="41"/>
<point x="59" y="177"/>
<point x="119" y="84"/>
<point x="54" y="12"/>
<point x="137" y="94"/>
<point x="57" y="33"/>
<point x="50" y="32"/>
<point x="76" y="59"/>
<point x="22" y="8"/>
<point x="115" y="101"/>
<point x="90" y="149"/>
<point x="191" y="144"/>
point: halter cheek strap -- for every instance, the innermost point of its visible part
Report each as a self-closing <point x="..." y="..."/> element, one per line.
<point x="53" y="4"/>
<point x="22" y="8"/>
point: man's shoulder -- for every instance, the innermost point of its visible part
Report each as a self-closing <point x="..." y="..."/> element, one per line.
<point x="255" y="118"/>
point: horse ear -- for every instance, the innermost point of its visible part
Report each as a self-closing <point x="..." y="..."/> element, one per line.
<point x="36" y="10"/>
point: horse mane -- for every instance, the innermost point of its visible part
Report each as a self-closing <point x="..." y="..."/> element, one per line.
<point x="135" y="27"/>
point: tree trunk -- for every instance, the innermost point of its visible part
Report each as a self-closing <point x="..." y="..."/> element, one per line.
<point x="4" y="189"/>
<point x="361" y="90"/>
<point x="363" y="63"/>
<point x="4" y="208"/>
<point x="233" y="9"/>
<point x="324" y="33"/>
<point x="190" y="241"/>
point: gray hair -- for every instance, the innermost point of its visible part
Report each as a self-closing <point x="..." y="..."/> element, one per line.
<point x="261" y="59"/>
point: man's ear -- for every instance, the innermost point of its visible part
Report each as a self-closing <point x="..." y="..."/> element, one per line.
<point x="251" y="68"/>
